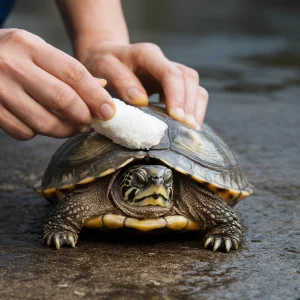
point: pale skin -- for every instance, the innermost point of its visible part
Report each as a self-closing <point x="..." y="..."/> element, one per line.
<point x="45" y="91"/>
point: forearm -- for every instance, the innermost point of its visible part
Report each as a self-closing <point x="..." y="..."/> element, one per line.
<point x="90" y="21"/>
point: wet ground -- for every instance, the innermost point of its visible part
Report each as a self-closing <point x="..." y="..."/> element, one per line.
<point x="254" y="85"/>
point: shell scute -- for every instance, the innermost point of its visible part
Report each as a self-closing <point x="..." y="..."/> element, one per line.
<point x="201" y="155"/>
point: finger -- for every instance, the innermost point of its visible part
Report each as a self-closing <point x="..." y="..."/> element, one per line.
<point x="201" y="106"/>
<point x="191" y="84"/>
<point x="36" y="116"/>
<point x="152" y="60"/>
<point x="14" y="127"/>
<point x="56" y="95"/>
<point x="74" y="74"/>
<point x="122" y="80"/>
<point x="61" y="116"/>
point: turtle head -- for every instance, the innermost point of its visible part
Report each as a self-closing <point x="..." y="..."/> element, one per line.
<point x="147" y="185"/>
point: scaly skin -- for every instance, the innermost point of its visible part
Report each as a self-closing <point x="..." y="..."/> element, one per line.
<point x="191" y="200"/>
<point x="217" y="219"/>
<point x="64" y="223"/>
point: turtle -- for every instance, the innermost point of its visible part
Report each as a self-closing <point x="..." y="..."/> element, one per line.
<point x="189" y="181"/>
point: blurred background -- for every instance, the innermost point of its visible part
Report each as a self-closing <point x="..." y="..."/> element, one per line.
<point x="231" y="43"/>
<point x="259" y="17"/>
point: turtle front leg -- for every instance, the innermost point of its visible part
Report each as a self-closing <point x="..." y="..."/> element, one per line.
<point x="221" y="226"/>
<point x="216" y="218"/>
<point x="62" y="226"/>
<point x="64" y="223"/>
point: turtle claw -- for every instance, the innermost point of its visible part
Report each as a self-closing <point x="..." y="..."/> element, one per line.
<point x="235" y="244"/>
<point x="228" y="244"/>
<point x="59" y="239"/>
<point x="219" y="241"/>
<point x="57" y="242"/>
<point x="49" y="241"/>
<point x="207" y="242"/>
<point x="217" y="244"/>
<point x="71" y="241"/>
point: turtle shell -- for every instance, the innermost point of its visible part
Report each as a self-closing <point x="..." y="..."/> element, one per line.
<point x="202" y="155"/>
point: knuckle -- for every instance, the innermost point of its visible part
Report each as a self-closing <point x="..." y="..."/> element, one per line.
<point x="21" y="39"/>
<point x="96" y="98"/>
<point x="204" y="93"/>
<point x="18" y="36"/>
<point x="12" y="66"/>
<point x="146" y="47"/>
<point x="105" y="62"/>
<point x="122" y="78"/>
<point x="191" y="73"/>
<point x="46" y="128"/>
<point x="64" y="98"/>
<point x="4" y="63"/>
<point x="75" y="71"/>
<point x="172" y="71"/>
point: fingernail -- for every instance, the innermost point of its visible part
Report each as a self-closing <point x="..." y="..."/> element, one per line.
<point x="137" y="96"/>
<point x="198" y="127"/>
<point x="106" y="111"/>
<point x="177" y="113"/>
<point x="103" y="82"/>
<point x="190" y="119"/>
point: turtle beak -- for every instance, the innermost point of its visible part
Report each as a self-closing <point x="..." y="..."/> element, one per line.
<point x="155" y="195"/>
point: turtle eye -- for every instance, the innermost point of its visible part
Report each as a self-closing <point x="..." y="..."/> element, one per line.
<point x="141" y="176"/>
<point x="168" y="175"/>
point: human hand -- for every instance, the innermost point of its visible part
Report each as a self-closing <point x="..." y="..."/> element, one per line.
<point x="137" y="70"/>
<point x="45" y="91"/>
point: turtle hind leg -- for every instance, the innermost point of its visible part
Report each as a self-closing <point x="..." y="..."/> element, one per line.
<point x="64" y="223"/>
<point x="216" y="218"/>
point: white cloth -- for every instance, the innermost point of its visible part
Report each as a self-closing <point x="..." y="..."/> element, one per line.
<point x="131" y="127"/>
